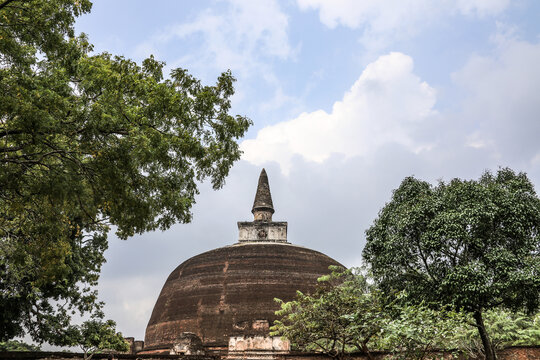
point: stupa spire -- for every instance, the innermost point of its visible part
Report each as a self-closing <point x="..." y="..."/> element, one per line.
<point x="263" y="208"/>
<point x="262" y="228"/>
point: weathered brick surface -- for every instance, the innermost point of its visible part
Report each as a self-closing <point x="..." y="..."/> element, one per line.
<point x="43" y="355"/>
<point x="514" y="353"/>
<point x="520" y="353"/>
<point x="224" y="292"/>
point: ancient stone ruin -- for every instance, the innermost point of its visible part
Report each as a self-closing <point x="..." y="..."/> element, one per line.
<point x="225" y="297"/>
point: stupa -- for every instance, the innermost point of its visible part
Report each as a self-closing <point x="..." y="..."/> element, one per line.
<point x="226" y="296"/>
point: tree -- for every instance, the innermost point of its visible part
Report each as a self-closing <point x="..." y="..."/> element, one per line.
<point x="88" y="141"/>
<point x="343" y="315"/>
<point x="418" y="331"/>
<point x="470" y="244"/>
<point x="93" y="336"/>
<point x="346" y="314"/>
<point x="505" y="328"/>
<point x="17" y="345"/>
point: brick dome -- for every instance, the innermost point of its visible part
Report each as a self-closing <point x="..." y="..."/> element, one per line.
<point x="231" y="290"/>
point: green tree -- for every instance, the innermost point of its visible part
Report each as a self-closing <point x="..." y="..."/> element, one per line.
<point x="470" y="244"/>
<point x="505" y="328"/>
<point x="343" y="315"/>
<point x="17" y="345"/>
<point x="94" y="336"/>
<point x="88" y="141"/>
<point x="418" y="331"/>
<point x="346" y="314"/>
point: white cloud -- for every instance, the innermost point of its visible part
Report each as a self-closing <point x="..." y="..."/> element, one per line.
<point x="379" y="15"/>
<point x="393" y="14"/>
<point x="501" y="91"/>
<point x="382" y="21"/>
<point x="238" y="38"/>
<point x="384" y="105"/>
<point x="247" y="37"/>
<point x="279" y="100"/>
<point x="481" y="7"/>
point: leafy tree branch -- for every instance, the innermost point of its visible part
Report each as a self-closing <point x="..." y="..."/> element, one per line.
<point x="88" y="141"/>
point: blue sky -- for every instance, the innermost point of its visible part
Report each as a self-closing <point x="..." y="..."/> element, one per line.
<point x="347" y="97"/>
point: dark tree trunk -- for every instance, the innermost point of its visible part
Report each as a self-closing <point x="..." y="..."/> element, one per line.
<point x="366" y="351"/>
<point x="489" y="351"/>
<point x="5" y="3"/>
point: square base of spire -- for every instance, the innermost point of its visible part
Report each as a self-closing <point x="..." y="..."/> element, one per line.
<point x="262" y="231"/>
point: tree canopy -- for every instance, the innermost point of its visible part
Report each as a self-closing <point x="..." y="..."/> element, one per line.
<point x="88" y="141"/>
<point x="17" y="345"/>
<point x="346" y="314"/>
<point x="471" y="244"/>
<point x="343" y="314"/>
<point x="94" y="336"/>
<point x="505" y="329"/>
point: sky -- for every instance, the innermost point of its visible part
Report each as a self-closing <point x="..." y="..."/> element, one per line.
<point x="347" y="98"/>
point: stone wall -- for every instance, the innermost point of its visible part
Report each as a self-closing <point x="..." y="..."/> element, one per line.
<point x="250" y="343"/>
<point x="44" y="355"/>
<point x="512" y="353"/>
<point x="520" y="353"/>
<point x="135" y="346"/>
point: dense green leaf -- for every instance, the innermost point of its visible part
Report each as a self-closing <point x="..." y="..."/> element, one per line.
<point x="346" y="315"/>
<point x="88" y="141"/>
<point x="96" y="336"/>
<point x="16" y="345"/>
<point x="470" y="244"/>
<point x="341" y="316"/>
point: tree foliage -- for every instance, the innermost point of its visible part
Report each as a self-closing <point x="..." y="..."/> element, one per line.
<point x="94" y="336"/>
<point x="506" y="329"/>
<point x="347" y="315"/>
<point x="17" y="345"/>
<point x="88" y="141"/>
<point x="470" y="244"/>
<point x="343" y="315"/>
<point x="418" y="331"/>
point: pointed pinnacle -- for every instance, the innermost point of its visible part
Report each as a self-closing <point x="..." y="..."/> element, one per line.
<point x="263" y="198"/>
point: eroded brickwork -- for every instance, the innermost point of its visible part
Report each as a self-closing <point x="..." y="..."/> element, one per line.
<point x="224" y="292"/>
